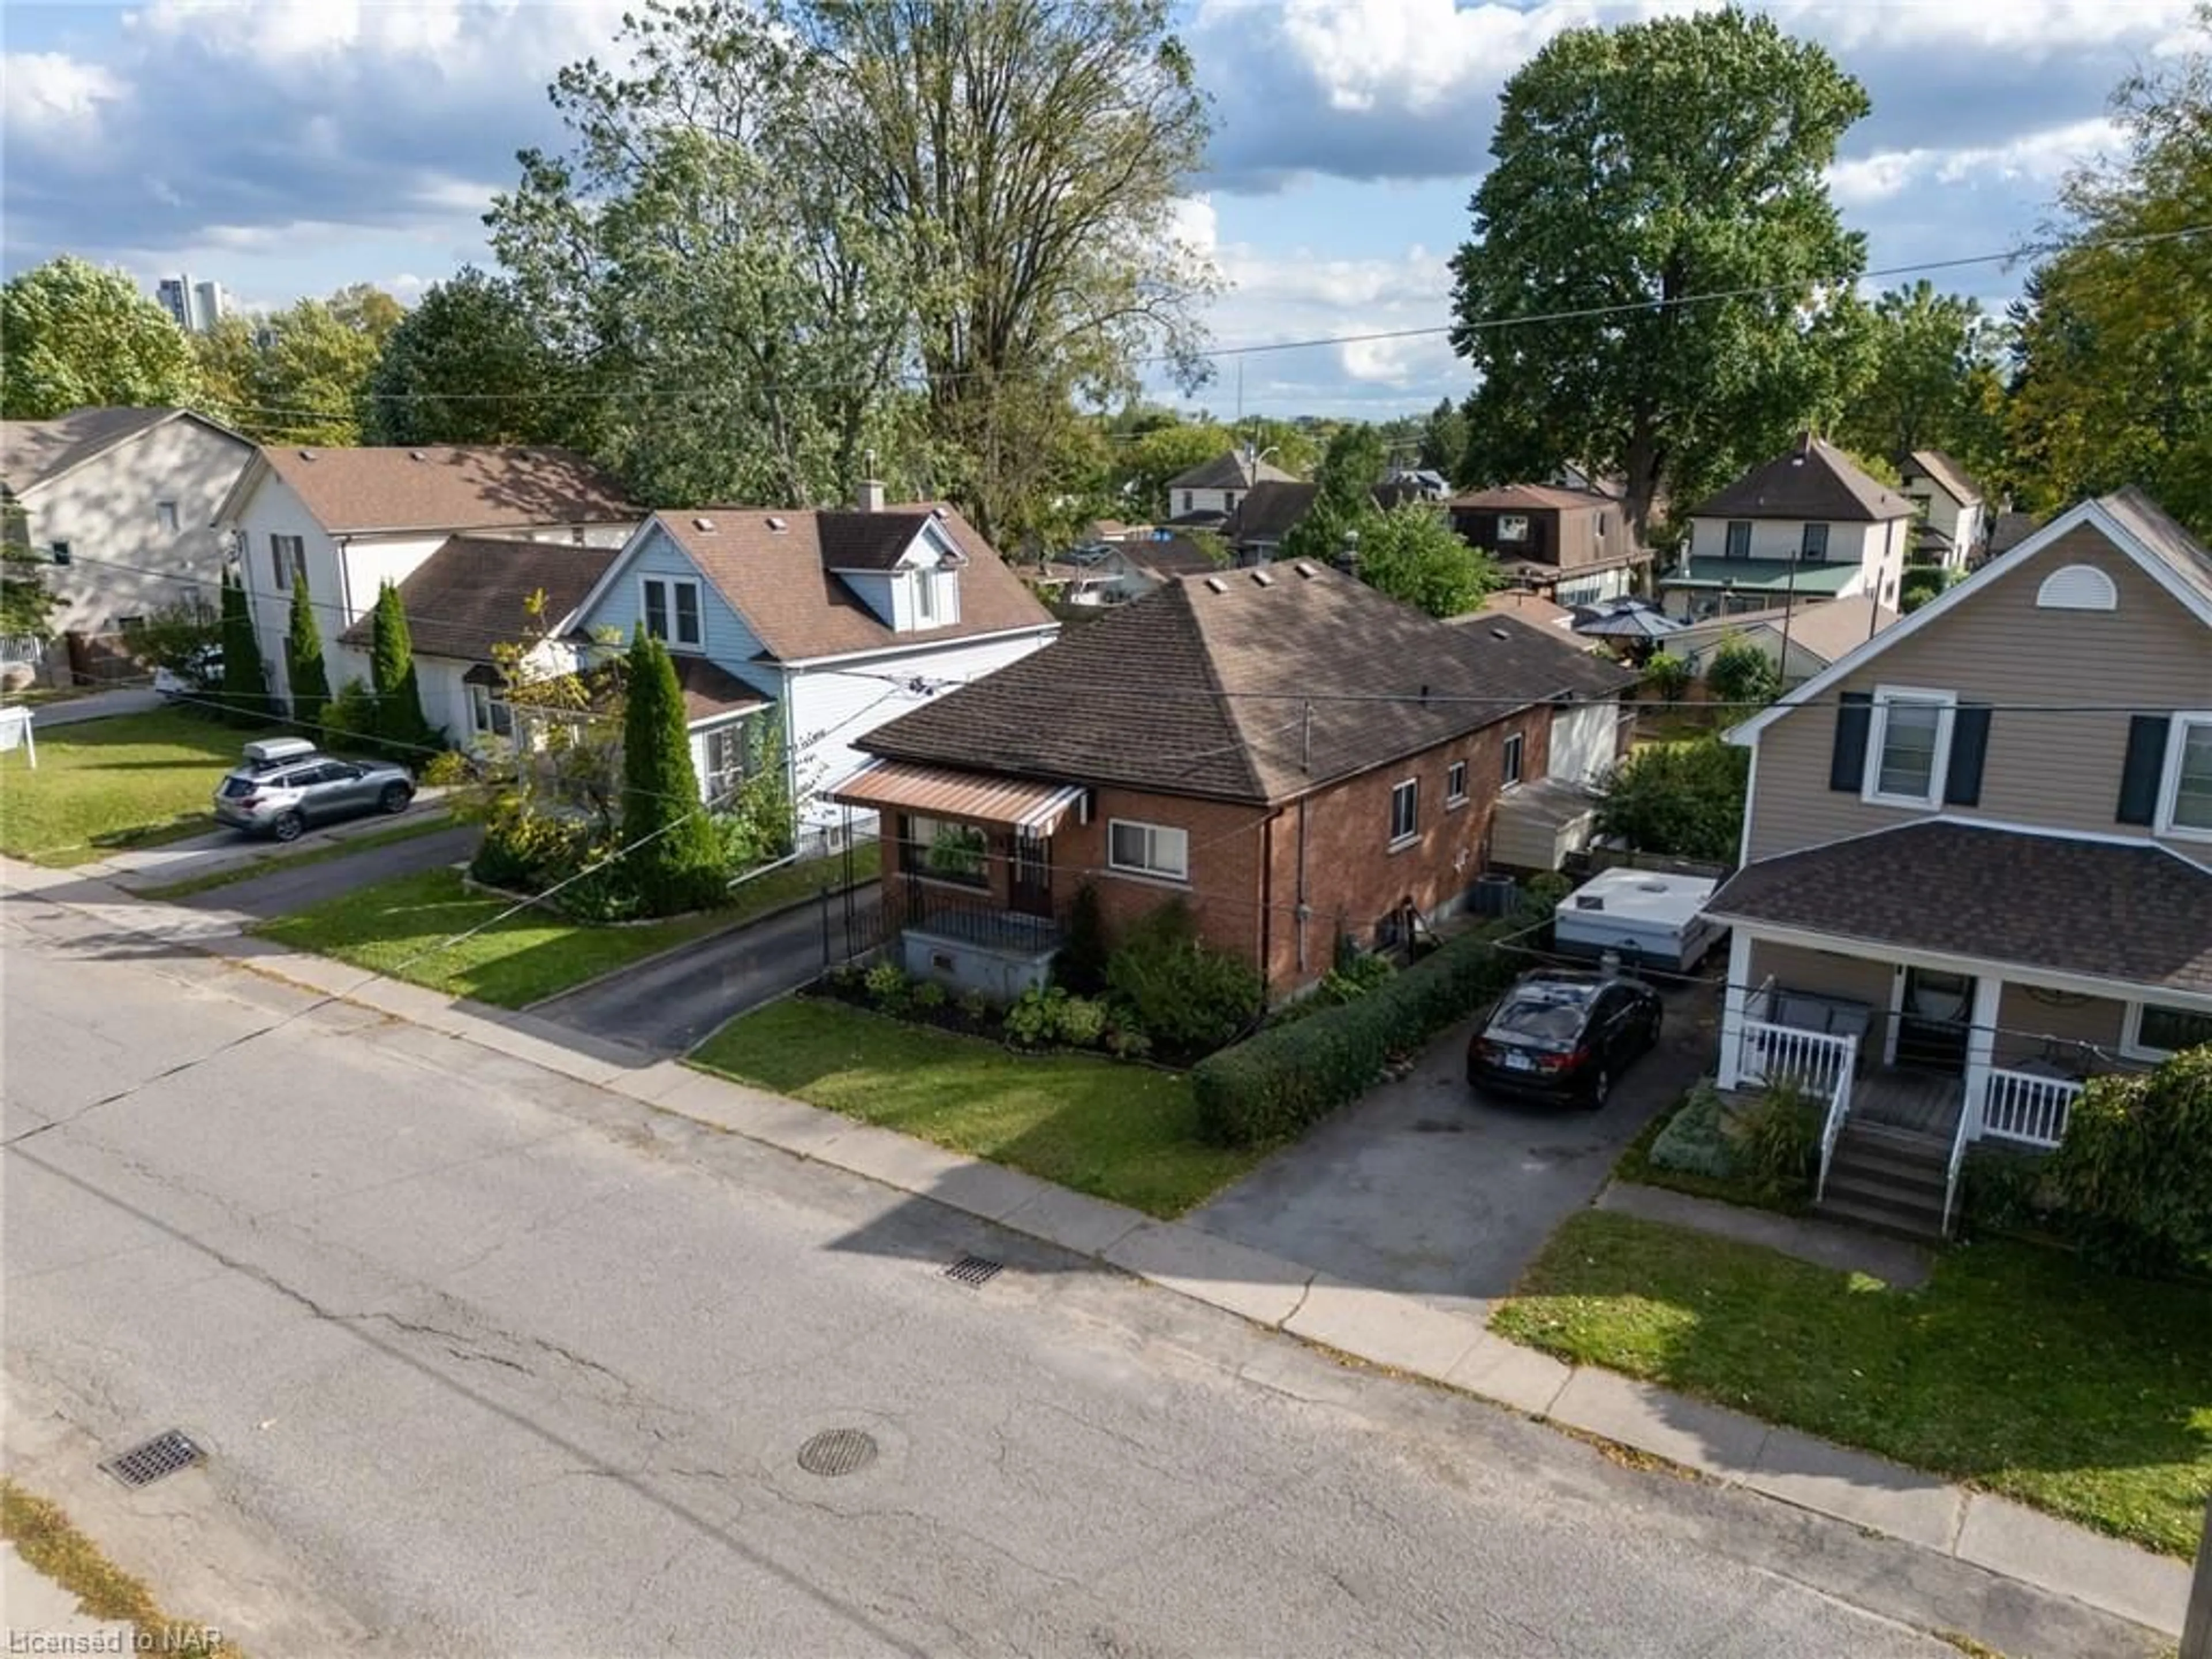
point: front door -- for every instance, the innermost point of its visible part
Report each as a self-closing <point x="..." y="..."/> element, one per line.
<point x="1932" y="1023"/>
<point x="1030" y="890"/>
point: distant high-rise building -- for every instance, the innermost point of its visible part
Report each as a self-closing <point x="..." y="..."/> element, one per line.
<point x="197" y="306"/>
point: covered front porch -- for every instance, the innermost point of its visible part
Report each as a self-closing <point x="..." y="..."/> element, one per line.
<point x="968" y="872"/>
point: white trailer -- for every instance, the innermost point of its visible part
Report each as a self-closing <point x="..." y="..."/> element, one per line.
<point x="1645" y="916"/>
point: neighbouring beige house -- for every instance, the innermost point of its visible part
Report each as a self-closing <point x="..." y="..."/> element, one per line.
<point x="120" y="503"/>
<point x="1807" y="525"/>
<point x="1799" y="641"/>
<point x="1978" y="860"/>
<point x="1954" y="521"/>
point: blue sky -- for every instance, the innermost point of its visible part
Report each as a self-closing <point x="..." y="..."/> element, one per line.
<point x="286" y="147"/>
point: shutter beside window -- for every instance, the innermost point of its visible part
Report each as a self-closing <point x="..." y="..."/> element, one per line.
<point x="2139" y="774"/>
<point x="1970" y="744"/>
<point x="1854" y="719"/>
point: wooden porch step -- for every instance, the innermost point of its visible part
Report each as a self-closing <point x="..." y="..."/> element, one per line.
<point x="1913" y="1223"/>
<point x="1878" y="1166"/>
<point x="1879" y="1186"/>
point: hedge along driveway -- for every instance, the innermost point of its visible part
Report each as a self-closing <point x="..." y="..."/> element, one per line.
<point x="1120" y="1132"/>
<point x="2015" y="1368"/>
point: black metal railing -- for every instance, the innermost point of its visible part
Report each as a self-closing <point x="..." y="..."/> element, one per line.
<point x="919" y="906"/>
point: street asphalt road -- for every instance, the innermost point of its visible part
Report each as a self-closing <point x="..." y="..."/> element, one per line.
<point x="492" y="1361"/>
<point x="289" y="887"/>
<point x="672" y="1004"/>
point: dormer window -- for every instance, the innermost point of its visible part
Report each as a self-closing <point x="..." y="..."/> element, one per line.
<point x="925" y="598"/>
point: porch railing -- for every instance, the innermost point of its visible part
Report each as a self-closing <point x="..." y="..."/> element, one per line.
<point x="1962" y="1137"/>
<point x="972" y="919"/>
<point x="1813" y="1061"/>
<point x="2025" y="1107"/>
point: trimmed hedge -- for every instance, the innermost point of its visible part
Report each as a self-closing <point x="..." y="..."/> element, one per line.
<point x="1273" y="1086"/>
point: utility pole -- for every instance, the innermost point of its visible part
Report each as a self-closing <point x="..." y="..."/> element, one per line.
<point x="2196" y="1625"/>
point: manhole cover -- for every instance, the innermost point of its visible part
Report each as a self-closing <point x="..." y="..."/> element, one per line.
<point x="974" y="1270"/>
<point x="838" y="1451"/>
<point x="165" y="1454"/>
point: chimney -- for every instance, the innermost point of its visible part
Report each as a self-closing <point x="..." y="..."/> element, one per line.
<point x="871" y="496"/>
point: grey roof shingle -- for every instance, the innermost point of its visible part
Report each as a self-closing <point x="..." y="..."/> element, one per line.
<point x="1814" y="480"/>
<point x="2137" y="914"/>
<point x="31" y="452"/>
<point x="473" y="594"/>
<point x="1213" y="671"/>
<point x="2156" y="528"/>
<point x="1947" y="472"/>
<point x="1270" y="512"/>
<point x="1227" y="470"/>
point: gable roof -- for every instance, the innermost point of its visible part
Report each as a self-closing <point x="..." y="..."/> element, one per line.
<point x="1523" y="498"/>
<point x="1227" y="470"/>
<point x="779" y="580"/>
<point x="1270" y="511"/>
<point x="1947" y="472"/>
<point x="35" y="452"/>
<point x="2136" y="913"/>
<point x="2008" y="530"/>
<point x="2129" y="520"/>
<point x="1814" y="480"/>
<point x="474" y="594"/>
<point x="454" y="487"/>
<point x="1213" y="671"/>
<point x="1177" y="555"/>
<point x="1826" y="628"/>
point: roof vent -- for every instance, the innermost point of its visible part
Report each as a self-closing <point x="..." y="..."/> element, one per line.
<point x="1262" y="578"/>
<point x="1215" y="585"/>
<point x="778" y="525"/>
<point x="1305" y="569"/>
<point x="940" y="511"/>
<point x="415" y="455"/>
<point x="702" y="523"/>
<point x="1500" y="634"/>
<point x="1650" y="886"/>
<point x="306" y="454"/>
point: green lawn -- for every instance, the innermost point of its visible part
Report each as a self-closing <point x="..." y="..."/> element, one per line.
<point x="128" y="780"/>
<point x="423" y="823"/>
<point x="1125" y="1132"/>
<point x="2014" y="1368"/>
<point x="394" y="927"/>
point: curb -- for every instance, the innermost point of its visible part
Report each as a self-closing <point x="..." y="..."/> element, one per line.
<point x="1383" y="1327"/>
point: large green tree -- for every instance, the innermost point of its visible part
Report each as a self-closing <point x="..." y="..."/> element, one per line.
<point x="1934" y="381"/>
<point x="1443" y="440"/>
<point x="309" y="381"/>
<point x="780" y="211"/>
<point x="1343" y="499"/>
<point x="465" y="366"/>
<point x="26" y="604"/>
<point x="75" y="334"/>
<point x="1640" y="169"/>
<point x="1151" y="460"/>
<point x="304" y="669"/>
<point x="1413" y="554"/>
<point x="399" y="722"/>
<point x="674" y="861"/>
<point x="2115" y="348"/>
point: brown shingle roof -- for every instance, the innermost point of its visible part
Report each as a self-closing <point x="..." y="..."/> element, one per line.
<point x="1947" y="472"/>
<point x="31" y="452"/>
<point x="1814" y="480"/>
<point x="474" y="592"/>
<point x="2156" y="528"/>
<point x="483" y="486"/>
<point x="780" y="581"/>
<point x="1172" y="666"/>
<point x="1270" y="512"/>
<point x="709" y="690"/>
<point x="2138" y="915"/>
<point x="1520" y="497"/>
<point x="1178" y="555"/>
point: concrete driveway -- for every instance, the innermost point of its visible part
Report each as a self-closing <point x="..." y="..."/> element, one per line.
<point x="1425" y="1186"/>
<point x="98" y="706"/>
<point x="672" y="1004"/>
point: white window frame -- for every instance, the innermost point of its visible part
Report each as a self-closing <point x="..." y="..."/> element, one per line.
<point x="925" y="596"/>
<point x="1511" y="759"/>
<point x="729" y="731"/>
<point x="2169" y="781"/>
<point x="1878" y="736"/>
<point x="287" y="571"/>
<point x="166" y="518"/>
<point x="484" y="721"/>
<point x="672" y="612"/>
<point x="1805" y="553"/>
<point x="1157" y="838"/>
<point x="2131" y="1042"/>
<point x="1513" y="526"/>
<point x="1409" y="790"/>
<point x="1729" y="526"/>
<point x="1455" y="785"/>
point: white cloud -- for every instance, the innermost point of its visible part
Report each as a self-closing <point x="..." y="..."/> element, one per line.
<point x="53" y="99"/>
<point x="2029" y="28"/>
<point x="2037" y="158"/>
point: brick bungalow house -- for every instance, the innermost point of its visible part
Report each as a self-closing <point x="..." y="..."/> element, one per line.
<point x="1292" y="753"/>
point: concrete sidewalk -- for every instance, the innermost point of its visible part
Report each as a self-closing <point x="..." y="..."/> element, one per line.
<point x="1382" y="1327"/>
<point x="41" y="1617"/>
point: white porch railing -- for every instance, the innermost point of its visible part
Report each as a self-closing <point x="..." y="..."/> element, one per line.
<point x="1962" y="1137"/>
<point x="1813" y="1061"/>
<point x="2022" y="1106"/>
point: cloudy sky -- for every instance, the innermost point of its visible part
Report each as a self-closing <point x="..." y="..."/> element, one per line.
<point x="286" y="147"/>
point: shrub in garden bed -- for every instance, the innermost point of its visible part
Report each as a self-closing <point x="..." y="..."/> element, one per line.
<point x="1186" y="997"/>
<point x="1280" y="1082"/>
<point x="1695" y="1140"/>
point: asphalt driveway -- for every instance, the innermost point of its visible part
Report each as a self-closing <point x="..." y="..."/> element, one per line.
<point x="1424" y="1187"/>
<point x="288" y="886"/>
<point x="673" y="1003"/>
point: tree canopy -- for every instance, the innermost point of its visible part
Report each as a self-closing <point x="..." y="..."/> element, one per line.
<point x="1413" y="554"/>
<point x="1933" y="380"/>
<point x="301" y="376"/>
<point x="1350" y="469"/>
<point x="1639" y="168"/>
<point x="76" y="335"/>
<point x="465" y="366"/>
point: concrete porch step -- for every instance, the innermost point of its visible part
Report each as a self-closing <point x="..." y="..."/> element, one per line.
<point x="1873" y="1167"/>
<point x="1880" y="1216"/>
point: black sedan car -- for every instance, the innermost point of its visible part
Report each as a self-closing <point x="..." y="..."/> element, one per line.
<point x="1561" y="1035"/>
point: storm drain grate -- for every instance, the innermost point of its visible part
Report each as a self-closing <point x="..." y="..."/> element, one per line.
<point x="974" y="1270"/>
<point x="838" y="1451"/>
<point x="165" y="1454"/>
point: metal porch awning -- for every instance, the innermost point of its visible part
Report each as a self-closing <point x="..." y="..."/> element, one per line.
<point x="972" y="797"/>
